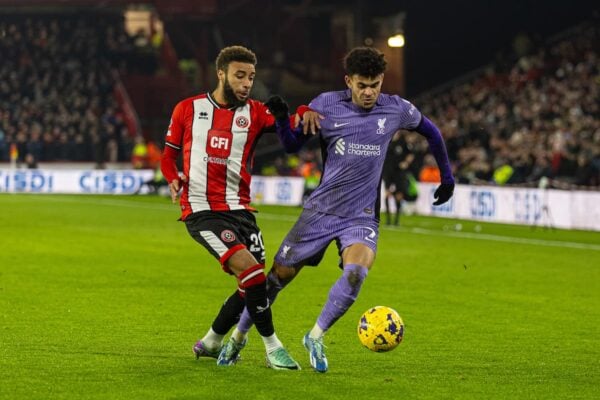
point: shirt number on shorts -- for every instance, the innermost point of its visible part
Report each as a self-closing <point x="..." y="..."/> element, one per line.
<point x="257" y="244"/>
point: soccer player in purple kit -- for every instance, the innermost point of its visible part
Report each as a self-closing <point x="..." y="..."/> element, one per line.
<point x="356" y="125"/>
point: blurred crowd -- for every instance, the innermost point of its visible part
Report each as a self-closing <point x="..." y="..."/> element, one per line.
<point x="534" y="122"/>
<point x="306" y="164"/>
<point x="56" y="88"/>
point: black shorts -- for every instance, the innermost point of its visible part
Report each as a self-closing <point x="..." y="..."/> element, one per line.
<point x="397" y="182"/>
<point x="225" y="232"/>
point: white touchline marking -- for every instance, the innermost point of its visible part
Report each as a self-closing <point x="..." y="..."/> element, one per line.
<point x="506" y="239"/>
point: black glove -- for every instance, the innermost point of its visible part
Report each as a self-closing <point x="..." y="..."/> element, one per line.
<point x="443" y="193"/>
<point x="278" y="107"/>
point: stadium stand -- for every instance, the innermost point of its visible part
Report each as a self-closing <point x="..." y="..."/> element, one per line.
<point x="57" y="81"/>
<point x="535" y="119"/>
<point x="531" y="119"/>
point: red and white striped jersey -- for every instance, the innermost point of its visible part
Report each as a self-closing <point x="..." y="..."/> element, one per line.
<point x="218" y="151"/>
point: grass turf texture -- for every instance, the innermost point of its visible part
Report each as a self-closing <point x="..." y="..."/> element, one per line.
<point x="103" y="297"/>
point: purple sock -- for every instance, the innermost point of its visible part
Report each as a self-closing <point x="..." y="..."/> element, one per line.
<point x="342" y="295"/>
<point x="245" y="322"/>
<point x="274" y="286"/>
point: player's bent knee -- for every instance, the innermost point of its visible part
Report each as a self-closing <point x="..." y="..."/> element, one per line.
<point x="283" y="272"/>
<point x="240" y="261"/>
<point x="360" y="254"/>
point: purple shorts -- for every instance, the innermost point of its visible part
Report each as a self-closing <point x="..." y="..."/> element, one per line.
<point x="308" y="239"/>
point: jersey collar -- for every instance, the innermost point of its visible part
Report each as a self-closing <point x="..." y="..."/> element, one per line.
<point x="215" y="103"/>
<point x="348" y="94"/>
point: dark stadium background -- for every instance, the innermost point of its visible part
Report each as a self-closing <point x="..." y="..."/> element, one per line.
<point x="300" y="45"/>
<point x="448" y="38"/>
<point x="444" y="38"/>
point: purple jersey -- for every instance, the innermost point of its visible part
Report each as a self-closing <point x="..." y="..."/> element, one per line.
<point x="354" y="143"/>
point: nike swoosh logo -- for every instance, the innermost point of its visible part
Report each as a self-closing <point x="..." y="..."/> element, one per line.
<point x="336" y="125"/>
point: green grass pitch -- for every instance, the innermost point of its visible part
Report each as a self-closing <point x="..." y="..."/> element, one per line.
<point x="103" y="298"/>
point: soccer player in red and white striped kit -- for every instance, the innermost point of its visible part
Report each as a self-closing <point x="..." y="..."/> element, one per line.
<point x="217" y="133"/>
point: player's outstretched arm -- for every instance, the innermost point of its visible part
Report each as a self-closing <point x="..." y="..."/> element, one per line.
<point x="291" y="138"/>
<point x="438" y="148"/>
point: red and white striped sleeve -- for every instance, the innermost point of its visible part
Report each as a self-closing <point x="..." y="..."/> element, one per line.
<point x="173" y="143"/>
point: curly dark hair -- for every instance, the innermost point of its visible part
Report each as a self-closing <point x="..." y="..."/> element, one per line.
<point x="364" y="61"/>
<point x="232" y="54"/>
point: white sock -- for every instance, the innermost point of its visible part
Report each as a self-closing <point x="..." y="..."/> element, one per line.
<point x="238" y="336"/>
<point x="212" y="340"/>
<point x="316" y="332"/>
<point x="272" y="343"/>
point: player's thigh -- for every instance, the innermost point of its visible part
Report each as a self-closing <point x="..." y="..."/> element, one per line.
<point x="251" y="235"/>
<point x="219" y="234"/>
<point x="307" y="241"/>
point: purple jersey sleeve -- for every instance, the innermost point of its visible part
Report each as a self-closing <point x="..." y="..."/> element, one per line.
<point x="292" y="139"/>
<point x="437" y="148"/>
<point x="317" y="104"/>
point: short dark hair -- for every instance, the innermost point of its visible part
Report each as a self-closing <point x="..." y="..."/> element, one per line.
<point x="364" y="61"/>
<point x="233" y="54"/>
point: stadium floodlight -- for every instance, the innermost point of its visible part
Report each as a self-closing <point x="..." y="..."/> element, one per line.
<point x="395" y="30"/>
<point x="396" y="40"/>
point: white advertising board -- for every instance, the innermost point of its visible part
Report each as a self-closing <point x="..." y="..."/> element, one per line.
<point x="558" y="208"/>
<point x="265" y="189"/>
<point x="72" y="181"/>
<point x="279" y="190"/>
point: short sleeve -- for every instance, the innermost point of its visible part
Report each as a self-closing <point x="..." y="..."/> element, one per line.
<point x="410" y="116"/>
<point x="317" y="104"/>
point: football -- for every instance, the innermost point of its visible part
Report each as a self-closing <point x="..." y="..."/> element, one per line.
<point x="380" y="329"/>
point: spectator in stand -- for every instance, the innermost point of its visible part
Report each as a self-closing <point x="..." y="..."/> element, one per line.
<point x="140" y="153"/>
<point x="310" y="169"/>
<point x="154" y="154"/>
<point x="3" y="144"/>
<point x="30" y="161"/>
<point x="586" y="173"/>
<point x="430" y="172"/>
